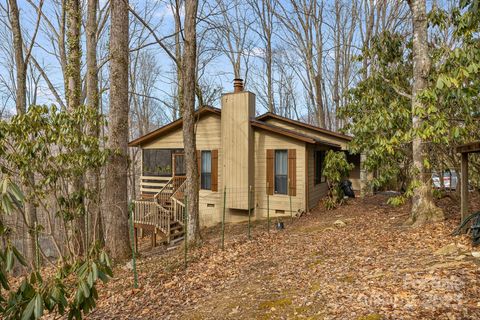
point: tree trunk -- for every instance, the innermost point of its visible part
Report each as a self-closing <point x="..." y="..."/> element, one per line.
<point x="336" y="73"/>
<point x="21" y="106"/>
<point x="268" y="62"/>
<point x="178" y="56"/>
<point x="116" y="193"/>
<point x="92" y="183"/>
<point x="73" y="93"/>
<point x="189" y="80"/>
<point x="423" y="208"/>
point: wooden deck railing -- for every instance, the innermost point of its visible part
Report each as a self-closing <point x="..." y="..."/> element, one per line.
<point x="157" y="213"/>
<point x="178" y="211"/>
<point x="152" y="214"/>
<point x="170" y="188"/>
<point x="178" y="203"/>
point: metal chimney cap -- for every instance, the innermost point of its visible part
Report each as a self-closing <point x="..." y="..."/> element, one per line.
<point x="237" y="85"/>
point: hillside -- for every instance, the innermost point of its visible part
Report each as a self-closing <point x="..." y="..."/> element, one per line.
<point x="371" y="268"/>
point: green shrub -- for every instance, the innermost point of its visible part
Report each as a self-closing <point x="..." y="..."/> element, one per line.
<point x="335" y="169"/>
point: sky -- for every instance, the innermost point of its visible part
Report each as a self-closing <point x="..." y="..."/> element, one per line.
<point x="218" y="73"/>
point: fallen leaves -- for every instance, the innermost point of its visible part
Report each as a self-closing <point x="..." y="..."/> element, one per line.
<point x="370" y="268"/>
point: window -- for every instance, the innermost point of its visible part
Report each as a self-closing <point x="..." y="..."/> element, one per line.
<point x="158" y="162"/>
<point x="206" y="170"/>
<point x="318" y="157"/>
<point x="281" y="171"/>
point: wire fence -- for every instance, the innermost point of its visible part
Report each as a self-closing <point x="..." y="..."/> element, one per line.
<point x="254" y="206"/>
<point x="234" y="214"/>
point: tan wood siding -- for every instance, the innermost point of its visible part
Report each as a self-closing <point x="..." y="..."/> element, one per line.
<point x="207" y="135"/>
<point x="237" y="147"/>
<point x="207" y="138"/>
<point x="271" y="141"/>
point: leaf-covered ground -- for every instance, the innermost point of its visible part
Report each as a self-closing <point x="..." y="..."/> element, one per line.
<point x="372" y="268"/>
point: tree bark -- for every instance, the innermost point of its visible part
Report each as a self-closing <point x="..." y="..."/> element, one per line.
<point x="92" y="182"/>
<point x="423" y="207"/>
<point x="116" y="193"/>
<point x="21" y="107"/>
<point x="73" y="95"/>
<point x="189" y="81"/>
<point x="178" y="56"/>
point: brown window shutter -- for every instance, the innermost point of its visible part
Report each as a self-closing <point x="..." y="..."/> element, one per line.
<point x="270" y="170"/>
<point x="292" y="172"/>
<point x="214" y="170"/>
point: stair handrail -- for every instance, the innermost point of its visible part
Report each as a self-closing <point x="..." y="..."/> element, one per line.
<point x="180" y="188"/>
<point x="159" y="216"/>
<point x="178" y="205"/>
<point x="158" y="196"/>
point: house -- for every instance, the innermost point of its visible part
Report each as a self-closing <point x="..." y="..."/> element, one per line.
<point x="262" y="162"/>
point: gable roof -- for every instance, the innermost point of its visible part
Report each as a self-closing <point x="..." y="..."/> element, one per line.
<point x="257" y="122"/>
<point x="270" y="115"/>
<point x="170" y="127"/>
<point x="289" y="133"/>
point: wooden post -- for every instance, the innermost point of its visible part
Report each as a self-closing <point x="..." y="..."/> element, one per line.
<point x="464" y="186"/>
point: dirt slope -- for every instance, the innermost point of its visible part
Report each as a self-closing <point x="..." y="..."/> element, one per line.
<point x="371" y="268"/>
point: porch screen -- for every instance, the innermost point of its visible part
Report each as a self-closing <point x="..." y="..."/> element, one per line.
<point x="158" y="162"/>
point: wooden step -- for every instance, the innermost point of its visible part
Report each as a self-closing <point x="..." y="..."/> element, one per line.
<point x="176" y="240"/>
<point x="177" y="227"/>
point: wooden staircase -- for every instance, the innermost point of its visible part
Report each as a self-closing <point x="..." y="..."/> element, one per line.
<point x="162" y="215"/>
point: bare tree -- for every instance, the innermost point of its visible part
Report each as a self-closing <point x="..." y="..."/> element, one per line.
<point x="264" y="11"/>
<point x="303" y="21"/>
<point x="423" y="208"/>
<point x="232" y="28"/>
<point x="189" y="85"/>
<point x="92" y="179"/>
<point x="21" y="64"/>
<point x="73" y="94"/>
<point x="116" y="183"/>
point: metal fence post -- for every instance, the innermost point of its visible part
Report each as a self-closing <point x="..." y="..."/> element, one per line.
<point x="223" y="216"/>
<point x="291" y="212"/>
<point x="134" y="260"/>
<point x="249" y="212"/>
<point x="185" y="235"/>
<point x="268" y="212"/>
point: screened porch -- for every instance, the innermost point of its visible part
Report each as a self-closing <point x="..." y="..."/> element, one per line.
<point x="158" y="167"/>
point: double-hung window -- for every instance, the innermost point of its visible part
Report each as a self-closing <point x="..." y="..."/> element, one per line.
<point x="281" y="172"/>
<point x="206" y="170"/>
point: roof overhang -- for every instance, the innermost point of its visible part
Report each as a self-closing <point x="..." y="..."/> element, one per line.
<point x="290" y="133"/>
<point x="472" y="147"/>
<point x="270" y="115"/>
<point x="170" y="127"/>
